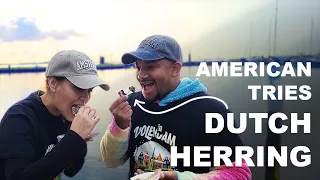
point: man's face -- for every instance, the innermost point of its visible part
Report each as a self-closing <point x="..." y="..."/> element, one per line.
<point x="68" y="95"/>
<point x="155" y="77"/>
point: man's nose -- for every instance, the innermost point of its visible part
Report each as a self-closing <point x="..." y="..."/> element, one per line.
<point x="142" y="75"/>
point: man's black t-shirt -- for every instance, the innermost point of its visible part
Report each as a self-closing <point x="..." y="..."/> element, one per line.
<point x="28" y="133"/>
<point x="151" y="136"/>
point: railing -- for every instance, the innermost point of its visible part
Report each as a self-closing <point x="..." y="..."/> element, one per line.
<point x="41" y="67"/>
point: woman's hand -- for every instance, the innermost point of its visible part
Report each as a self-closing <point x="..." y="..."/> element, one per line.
<point x="84" y="121"/>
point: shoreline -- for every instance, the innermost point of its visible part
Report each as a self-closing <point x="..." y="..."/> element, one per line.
<point x="39" y="68"/>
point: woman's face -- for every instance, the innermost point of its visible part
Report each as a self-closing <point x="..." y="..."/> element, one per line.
<point x="66" y="95"/>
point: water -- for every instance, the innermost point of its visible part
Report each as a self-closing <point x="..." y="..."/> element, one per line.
<point x="233" y="90"/>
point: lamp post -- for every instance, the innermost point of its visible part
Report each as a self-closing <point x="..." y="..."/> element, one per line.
<point x="275" y="29"/>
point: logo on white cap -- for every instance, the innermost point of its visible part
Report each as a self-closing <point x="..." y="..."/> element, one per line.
<point x="85" y="64"/>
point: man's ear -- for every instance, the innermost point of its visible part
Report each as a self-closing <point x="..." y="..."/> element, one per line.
<point x="52" y="83"/>
<point x="176" y="68"/>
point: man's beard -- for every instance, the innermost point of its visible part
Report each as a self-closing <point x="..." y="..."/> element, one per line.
<point x="156" y="98"/>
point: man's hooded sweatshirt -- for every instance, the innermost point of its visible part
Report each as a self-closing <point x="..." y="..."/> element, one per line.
<point x="178" y="120"/>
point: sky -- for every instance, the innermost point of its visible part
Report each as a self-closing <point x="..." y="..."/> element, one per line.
<point x="34" y="30"/>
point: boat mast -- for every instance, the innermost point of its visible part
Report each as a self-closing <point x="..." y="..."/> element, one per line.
<point x="311" y="36"/>
<point x="269" y="47"/>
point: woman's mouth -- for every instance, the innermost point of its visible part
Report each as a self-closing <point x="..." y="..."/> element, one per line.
<point x="75" y="108"/>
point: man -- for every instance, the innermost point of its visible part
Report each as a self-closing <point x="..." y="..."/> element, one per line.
<point x="36" y="140"/>
<point x="146" y="138"/>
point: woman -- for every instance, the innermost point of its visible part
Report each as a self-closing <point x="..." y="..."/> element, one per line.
<point x="31" y="129"/>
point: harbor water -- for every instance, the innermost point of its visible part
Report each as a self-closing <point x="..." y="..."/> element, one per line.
<point x="233" y="90"/>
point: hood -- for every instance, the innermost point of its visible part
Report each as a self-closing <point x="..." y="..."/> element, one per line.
<point x="186" y="88"/>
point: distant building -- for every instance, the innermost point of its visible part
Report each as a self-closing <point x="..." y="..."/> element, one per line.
<point x="102" y="60"/>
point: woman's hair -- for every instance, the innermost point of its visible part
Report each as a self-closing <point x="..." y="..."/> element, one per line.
<point x="59" y="79"/>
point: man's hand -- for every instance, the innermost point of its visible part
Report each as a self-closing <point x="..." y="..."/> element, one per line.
<point x="121" y="111"/>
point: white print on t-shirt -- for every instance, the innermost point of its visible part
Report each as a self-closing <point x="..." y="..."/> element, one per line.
<point x="150" y="131"/>
<point x="151" y="155"/>
<point x="50" y="147"/>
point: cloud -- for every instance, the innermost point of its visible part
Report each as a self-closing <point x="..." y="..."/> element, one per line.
<point x="24" y="30"/>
